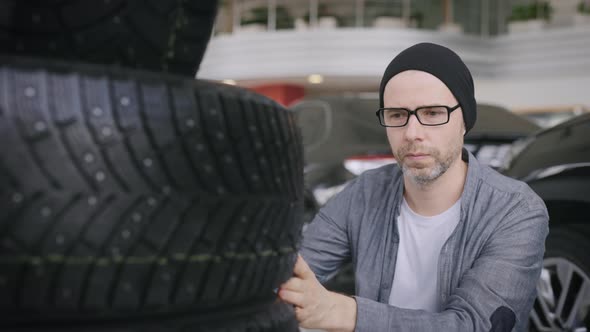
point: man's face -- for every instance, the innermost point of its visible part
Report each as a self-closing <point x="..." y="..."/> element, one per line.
<point x="423" y="152"/>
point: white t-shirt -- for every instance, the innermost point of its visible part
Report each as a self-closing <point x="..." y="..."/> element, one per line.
<point x="416" y="269"/>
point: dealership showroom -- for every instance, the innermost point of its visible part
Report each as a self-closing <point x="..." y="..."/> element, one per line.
<point x="295" y="165"/>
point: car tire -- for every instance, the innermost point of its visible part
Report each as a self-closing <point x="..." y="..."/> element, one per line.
<point x="134" y="195"/>
<point x="564" y="283"/>
<point x="275" y="317"/>
<point x="343" y="282"/>
<point x="159" y="35"/>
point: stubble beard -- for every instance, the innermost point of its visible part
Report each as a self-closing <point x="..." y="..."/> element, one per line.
<point x="423" y="177"/>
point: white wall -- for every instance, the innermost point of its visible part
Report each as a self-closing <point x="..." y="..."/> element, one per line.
<point x="545" y="68"/>
<point x="533" y="93"/>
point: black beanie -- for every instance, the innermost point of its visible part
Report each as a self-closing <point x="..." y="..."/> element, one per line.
<point x="443" y="63"/>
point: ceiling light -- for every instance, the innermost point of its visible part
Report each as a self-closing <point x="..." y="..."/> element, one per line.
<point x="315" y="79"/>
<point x="230" y="82"/>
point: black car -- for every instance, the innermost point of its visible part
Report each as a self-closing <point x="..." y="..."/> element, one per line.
<point x="342" y="138"/>
<point x="555" y="163"/>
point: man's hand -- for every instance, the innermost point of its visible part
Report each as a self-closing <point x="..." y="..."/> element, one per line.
<point x="315" y="306"/>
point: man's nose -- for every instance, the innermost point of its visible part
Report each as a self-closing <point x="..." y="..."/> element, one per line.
<point x="414" y="128"/>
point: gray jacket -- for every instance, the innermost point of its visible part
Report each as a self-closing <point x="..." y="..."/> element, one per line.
<point x="487" y="270"/>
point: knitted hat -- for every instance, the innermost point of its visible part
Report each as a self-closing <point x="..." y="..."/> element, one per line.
<point x="443" y="63"/>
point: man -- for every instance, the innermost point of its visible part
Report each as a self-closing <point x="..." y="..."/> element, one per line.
<point x="439" y="242"/>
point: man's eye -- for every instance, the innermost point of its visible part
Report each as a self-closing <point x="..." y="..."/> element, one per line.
<point x="394" y="115"/>
<point x="433" y="112"/>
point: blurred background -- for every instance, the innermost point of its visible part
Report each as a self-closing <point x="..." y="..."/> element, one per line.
<point x="528" y="56"/>
<point x="530" y="60"/>
<point x="324" y="59"/>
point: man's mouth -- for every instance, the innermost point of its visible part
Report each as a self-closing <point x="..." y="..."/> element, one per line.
<point x="416" y="156"/>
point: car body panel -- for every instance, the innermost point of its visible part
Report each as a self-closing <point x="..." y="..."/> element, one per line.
<point x="565" y="144"/>
<point x="338" y="127"/>
<point x="555" y="163"/>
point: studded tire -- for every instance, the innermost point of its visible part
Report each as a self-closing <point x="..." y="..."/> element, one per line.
<point x="159" y="35"/>
<point x="275" y="317"/>
<point x="127" y="194"/>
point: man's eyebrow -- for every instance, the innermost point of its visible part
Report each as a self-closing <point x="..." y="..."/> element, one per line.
<point x="419" y="106"/>
<point x="431" y="104"/>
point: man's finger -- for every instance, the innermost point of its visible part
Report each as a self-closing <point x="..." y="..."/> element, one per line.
<point x="300" y="315"/>
<point x="291" y="297"/>
<point x="302" y="270"/>
<point x="294" y="284"/>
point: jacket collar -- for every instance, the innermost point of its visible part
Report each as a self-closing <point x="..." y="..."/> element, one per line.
<point x="474" y="170"/>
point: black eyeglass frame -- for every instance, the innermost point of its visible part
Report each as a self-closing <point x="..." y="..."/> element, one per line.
<point x="414" y="112"/>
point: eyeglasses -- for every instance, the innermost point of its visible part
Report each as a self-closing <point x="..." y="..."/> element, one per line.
<point x="435" y="115"/>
